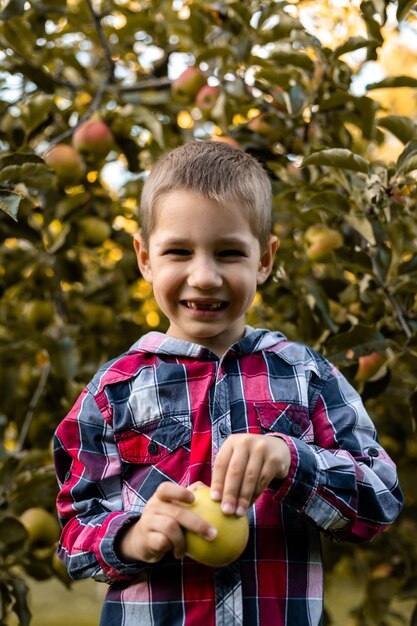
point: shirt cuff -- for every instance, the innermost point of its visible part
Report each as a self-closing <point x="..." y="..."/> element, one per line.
<point x="111" y="563"/>
<point x="299" y="486"/>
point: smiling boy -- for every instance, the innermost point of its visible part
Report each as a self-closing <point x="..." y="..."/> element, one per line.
<point x="274" y="429"/>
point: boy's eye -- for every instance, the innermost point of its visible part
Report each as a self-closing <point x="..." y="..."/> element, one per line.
<point x="177" y="252"/>
<point x="231" y="253"/>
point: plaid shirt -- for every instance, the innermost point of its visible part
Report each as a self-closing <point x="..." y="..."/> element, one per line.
<point x="160" y="412"/>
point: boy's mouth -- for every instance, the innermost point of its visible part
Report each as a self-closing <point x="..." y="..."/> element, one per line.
<point x="202" y="305"/>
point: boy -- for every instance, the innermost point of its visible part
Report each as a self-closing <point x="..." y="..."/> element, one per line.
<point x="270" y="425"/>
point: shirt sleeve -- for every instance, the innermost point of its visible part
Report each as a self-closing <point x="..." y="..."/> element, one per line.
<point x="344" y="482"/>
<point x="89" y="501"/>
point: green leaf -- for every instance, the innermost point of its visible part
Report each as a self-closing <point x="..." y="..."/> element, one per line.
<point x="148" y="119"/>
<point x="12" y="8"/>
<point x="295" y="58"/>
<point x="407" y="161"/>
<point x="354" y="43"/>
<point x="275" y="77"/>
<point x="337" y="157"/>
<point x="393" y="82"/>
<point x="9" y="202"/>
<point x="223" y="52"/>
<point x="331" y="200"/>
<point x="363" y="226"/>
<point x="31" y="173"/>
<point x="347" y="347"/>
<point x="404" y="6"/>
<point x="37" y="111"/>
<point x="402" y="127"/>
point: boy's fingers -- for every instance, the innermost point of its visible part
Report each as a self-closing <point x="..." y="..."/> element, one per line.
<point x="189" y="520"/>
<point x="230" y="468"/>
<point x="219" y="471"/>
<point x="168" y="492"/>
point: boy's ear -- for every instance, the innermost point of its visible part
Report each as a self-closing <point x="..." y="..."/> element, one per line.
<point x="267" y="259"/>
<point x="142" y="257"/>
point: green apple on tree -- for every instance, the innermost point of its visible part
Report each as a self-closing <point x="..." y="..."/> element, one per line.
<point x="93" y="139"/>
<point x="93" y="231"/>
<point x="232" y="537"/>
<point x="42" y="527"/>
<point x="321" y="241"/>
<point x="39" y="313"/>
<point x="188" y="84"/>
<point x="67" y="163"/>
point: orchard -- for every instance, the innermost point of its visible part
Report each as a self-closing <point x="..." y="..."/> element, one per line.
<point x="91" y="93"/>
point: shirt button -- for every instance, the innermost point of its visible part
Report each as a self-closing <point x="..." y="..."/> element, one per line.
<point x="373" y="452"/>
<point x="222" y="431"/>
<point x="153" y="448"/>
<point x="296" y="430"/>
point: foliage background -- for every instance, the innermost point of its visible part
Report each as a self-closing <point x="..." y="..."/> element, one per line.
<point x="334" y="86"/>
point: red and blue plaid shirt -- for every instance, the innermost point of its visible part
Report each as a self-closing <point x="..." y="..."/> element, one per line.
<point x="160" y="412"/>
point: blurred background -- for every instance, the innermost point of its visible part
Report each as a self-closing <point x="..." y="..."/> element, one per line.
<point x="324" y="94"/>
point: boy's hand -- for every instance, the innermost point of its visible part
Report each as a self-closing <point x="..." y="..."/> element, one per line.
<point x="160" y="528"/>
<point x="244" y="467"/>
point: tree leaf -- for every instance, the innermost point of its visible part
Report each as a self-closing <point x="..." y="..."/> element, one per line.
<point x="402" y="127"/>
<point x="12" y="8"/>
<point x="352" y="44"/>
<point x="331" y="200"/>
<point x="393" y="82"/>
<point x="363" y="226"/>
<point x="404" y="6"/>
<point x="9" y="202"/>
<point x="295" y="58"/>
<point x="349" y="346"/>
<point x="337" y="157"/>
<point x="32" y="173"/>
<point x="407" y="161"/>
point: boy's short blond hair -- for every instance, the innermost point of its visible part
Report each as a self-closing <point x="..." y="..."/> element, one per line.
<point x="216" y="170"/>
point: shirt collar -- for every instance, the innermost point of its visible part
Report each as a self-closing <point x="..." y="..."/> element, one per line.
<point x="254" y="340"/>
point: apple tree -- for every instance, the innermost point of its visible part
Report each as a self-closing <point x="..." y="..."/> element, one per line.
<point x="91" y="93"/>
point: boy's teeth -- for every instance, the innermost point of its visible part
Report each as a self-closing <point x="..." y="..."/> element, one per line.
<point x="206" y="306"/>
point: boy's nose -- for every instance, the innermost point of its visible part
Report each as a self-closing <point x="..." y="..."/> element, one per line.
<point x="204" y="276"/>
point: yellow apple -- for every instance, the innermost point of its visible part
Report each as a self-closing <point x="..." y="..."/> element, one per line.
<point x="321" y="241"/>
<point x="232" y="533"/>
<point x="42" y="527"/>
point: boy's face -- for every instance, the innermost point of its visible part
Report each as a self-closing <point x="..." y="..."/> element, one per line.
<point x="204" y="264"/>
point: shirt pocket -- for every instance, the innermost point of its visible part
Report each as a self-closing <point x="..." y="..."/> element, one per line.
<point x="150" y="443"/>
<point x="285" y="418"/>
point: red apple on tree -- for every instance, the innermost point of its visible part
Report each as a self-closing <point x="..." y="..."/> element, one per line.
<point x="226" y="139"/>
<point x="66" y="162"/>
<point x="206" y="99"/>
<point x="259" y="124"/>
<point x="369" y="365"/>
<point x="93" y="138"/>
<point x="188" y="84"/>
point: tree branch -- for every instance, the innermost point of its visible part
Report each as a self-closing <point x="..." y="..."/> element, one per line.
<point x="393" y="300"/>
<point x="46" y="368"/>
